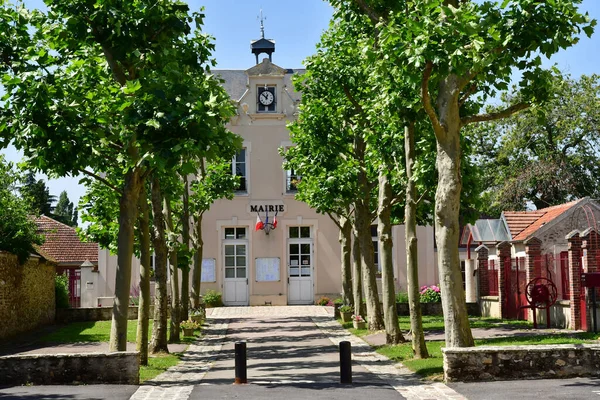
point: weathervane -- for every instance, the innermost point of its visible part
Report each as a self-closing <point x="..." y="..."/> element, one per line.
<point x="262" y="25"/>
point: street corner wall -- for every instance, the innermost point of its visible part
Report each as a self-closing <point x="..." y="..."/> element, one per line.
<point x="26" y="294"/>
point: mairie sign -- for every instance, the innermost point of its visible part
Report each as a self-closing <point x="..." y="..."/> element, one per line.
<point x="264" y="207"/>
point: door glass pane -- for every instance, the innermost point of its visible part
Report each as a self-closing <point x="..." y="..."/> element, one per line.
<point x="305" y="249"/>
<point x="229" y="233"/>
<point x="229" y="250"/>
<point x="294" y="248"/>
<point x="241" y="272"/>
<point x="305" y="271"/>
<point x="294" y="271"/>
<point x="294" y="232"/>
<point x="229" y="261"/>
<point x="294" y="261"/>
<point x="240" y="261"/>
<point x="305" y="260"/>
<point x="229" y="273"/>
<point x="305" y="231"/>
<point x="240" y="250"/>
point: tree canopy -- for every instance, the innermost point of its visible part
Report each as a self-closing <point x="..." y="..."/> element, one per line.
<point x="546" y="155"/>
<point x="18" y="231"/>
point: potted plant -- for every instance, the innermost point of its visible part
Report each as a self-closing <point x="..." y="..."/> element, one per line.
<point x="188" y="327"/>
<point x="336" y="307"/>
<point x="345" y="313"/>
<point x="358" y="322"/>
<point x="197" y="314"/>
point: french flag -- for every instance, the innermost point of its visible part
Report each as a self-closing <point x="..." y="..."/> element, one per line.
<point x="259" y="224"/>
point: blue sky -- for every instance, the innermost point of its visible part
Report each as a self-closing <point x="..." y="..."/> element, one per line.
<point x="296" y="27"/>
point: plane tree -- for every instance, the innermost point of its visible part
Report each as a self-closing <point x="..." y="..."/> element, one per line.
<point x="461" y="53"/>
<point x="124" y="84"/>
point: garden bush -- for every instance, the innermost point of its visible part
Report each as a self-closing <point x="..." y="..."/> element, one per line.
<point x="430" y="294"/>
<point x="212" y="298"/>
<point x="402" y="297"/>
<point x="61" y="291"/>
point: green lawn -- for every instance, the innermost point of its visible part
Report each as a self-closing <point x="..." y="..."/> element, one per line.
<point x="432" y="368"/>
<point x="157" y="365"/>
<point x="436" y="323"/>
<point x="98" y="331"/>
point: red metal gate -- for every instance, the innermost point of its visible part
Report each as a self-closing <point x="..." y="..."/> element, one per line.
<point x="515" y="283"/>
<point x="74" y="275"/>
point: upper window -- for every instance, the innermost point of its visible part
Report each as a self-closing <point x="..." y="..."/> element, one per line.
<point x="265" y="99"/>
<point x="299" y="232"/>
<point x="238" y="168"/>
<point x="235" y="233"/>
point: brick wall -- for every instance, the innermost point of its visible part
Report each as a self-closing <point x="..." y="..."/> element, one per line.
<point x="26" y="294"/>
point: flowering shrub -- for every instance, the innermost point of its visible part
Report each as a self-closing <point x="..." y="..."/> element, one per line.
<point x="430" y="294"/>
<point x="357" y="318"/>
<point x="323" y="301"/>
<point x="345" y="308"/>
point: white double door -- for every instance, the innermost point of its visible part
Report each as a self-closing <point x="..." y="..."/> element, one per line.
<point x="300" y="271"/>
<point x="235" y="286"/>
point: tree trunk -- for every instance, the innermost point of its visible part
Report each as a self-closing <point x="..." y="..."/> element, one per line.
<point x="159" y="330"/>
<point x="345" y="239"/>
<point x="412" y="261"/>
<point x="197" y="276"/>
<point x="447" y="206"/>
<point x="357" y="285"/>
<point x="144" y="306"/>
<point x="363" y="226"/>
<point x="185" y="236"/>
<point x="384" y="231"/>
<point x="174" y="331"/>
<point x="127" y="217"/>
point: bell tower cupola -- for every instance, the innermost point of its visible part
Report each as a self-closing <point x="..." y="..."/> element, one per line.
<point x="262" y="45"/>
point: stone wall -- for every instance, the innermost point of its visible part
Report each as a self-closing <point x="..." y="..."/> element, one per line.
<point x="93" y="314"/>
<point x="54" y="369"/>
<point x="486" y="363"/>
<point x="26" y="294"/>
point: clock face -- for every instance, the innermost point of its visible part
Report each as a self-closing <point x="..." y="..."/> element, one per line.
<point x="266" y="98"/>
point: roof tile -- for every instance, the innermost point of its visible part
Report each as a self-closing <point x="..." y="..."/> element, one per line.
<point x="63" y="244"/>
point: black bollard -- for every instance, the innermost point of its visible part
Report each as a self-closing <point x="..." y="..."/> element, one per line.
<point x="240" y="363"/>
<point x="345" y="363"/>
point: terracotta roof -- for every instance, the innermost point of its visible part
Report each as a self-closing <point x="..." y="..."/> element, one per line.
<point x="523" y="224"/>
<point x="63" y="244"/>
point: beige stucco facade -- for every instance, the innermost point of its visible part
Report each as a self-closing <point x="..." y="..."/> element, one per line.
<point x="309" y="266"/>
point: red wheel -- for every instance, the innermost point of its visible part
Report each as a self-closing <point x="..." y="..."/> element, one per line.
<point x="541" y="293"/>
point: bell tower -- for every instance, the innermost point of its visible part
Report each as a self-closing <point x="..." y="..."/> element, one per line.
<point x="262" y="45"/>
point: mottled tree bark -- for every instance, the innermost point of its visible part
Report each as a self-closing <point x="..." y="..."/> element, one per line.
<point x="185" y="237"/>
<point x="345" y="239"/>
<point x="197" y="274"/>
<point x="447" y="205"/>
<point x="384" y="231"/>
<point x="363" y="226"/>
<point x="174" y="330"/>
<point x="144" y="306"/>
<point x="127" y="217"/>
<point x="357" y="287"/>
<point x="412" y="261"/>
<point x="159" y="329"/>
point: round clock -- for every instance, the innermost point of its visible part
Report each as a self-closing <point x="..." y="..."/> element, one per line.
<point x="266" y="98"/>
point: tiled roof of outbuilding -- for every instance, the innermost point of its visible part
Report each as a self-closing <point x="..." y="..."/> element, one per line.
<point x="523" y="224"/>
<point x="63" y="244"/>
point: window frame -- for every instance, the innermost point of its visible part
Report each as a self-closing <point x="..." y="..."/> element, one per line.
<point x="244" y="177"/>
